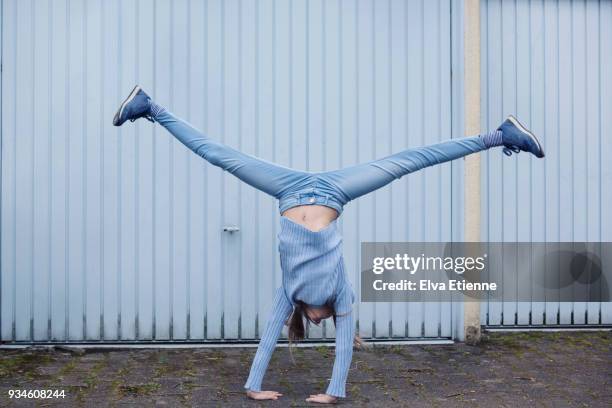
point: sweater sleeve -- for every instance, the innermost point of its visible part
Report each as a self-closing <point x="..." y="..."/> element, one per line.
<point x="345" y="332"/>
<point x="281" y="310"/>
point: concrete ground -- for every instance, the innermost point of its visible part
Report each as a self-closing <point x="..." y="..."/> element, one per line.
<point x="553" y="369"/>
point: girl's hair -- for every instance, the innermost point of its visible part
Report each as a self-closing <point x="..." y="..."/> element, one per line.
<point x="297" y="330"/>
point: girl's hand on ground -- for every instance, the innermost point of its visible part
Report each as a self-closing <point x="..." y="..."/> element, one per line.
<point x="264" y="395"/>
<point x="322" y="399"/>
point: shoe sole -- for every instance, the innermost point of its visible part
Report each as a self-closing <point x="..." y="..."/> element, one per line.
<point x="124" y="104"/>
<point x="533" y="137"/>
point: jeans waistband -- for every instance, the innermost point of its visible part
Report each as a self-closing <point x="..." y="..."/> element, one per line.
<point x="309" y="196"/>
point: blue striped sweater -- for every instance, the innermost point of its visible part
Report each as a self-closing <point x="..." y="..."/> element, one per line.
<point x="313" y="272"/>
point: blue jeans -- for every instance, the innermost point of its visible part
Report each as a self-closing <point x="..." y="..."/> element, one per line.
<point x="329" y="188"/>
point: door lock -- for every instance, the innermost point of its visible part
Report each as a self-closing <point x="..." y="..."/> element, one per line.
<point x="231" y="229"/>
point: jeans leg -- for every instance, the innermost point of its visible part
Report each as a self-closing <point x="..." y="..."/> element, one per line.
<point x="266" y="176"/>
<point x="360" y="179"/>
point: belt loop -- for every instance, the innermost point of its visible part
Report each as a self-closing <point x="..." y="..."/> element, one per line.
<point x="326" y="199"/>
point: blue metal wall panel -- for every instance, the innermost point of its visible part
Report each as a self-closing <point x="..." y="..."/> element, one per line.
<point x="550" y="63"/>
<point x="116" y="234"/>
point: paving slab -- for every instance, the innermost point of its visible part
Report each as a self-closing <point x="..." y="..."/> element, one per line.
<point x="525" y="369"/>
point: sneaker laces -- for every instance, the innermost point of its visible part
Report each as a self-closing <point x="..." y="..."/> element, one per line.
<point x="513" y="148"/>
<point x="147" y="117"/>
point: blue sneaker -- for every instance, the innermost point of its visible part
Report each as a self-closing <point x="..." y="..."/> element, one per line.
<point x="137" y="105"/>
<point x="517" y="137"/>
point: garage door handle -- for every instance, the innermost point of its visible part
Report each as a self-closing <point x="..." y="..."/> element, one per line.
<point x="231" y="229"/>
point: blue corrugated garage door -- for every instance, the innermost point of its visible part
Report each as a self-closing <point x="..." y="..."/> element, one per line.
<point x="550" y="62"/>
<point x="117" y="235"/>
